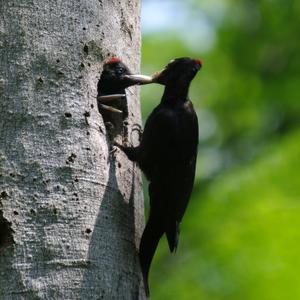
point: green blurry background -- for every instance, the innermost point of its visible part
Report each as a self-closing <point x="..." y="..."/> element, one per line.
<point x="241" y="234"/>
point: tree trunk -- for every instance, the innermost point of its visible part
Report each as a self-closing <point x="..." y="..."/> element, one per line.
<point x="71" y="212"/>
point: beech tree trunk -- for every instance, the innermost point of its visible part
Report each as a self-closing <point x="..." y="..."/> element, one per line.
<point x="71" y="211"/>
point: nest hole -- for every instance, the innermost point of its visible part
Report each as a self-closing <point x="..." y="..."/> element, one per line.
<point x="114" y="113"/>
<point x="6" y="232"/>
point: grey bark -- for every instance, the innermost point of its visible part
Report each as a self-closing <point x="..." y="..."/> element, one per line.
<point x="71" y="213"/>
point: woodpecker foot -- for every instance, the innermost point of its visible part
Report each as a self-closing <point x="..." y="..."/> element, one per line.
<point x="113" y="150"/>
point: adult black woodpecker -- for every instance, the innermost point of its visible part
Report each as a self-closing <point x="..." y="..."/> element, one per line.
<point x="167" y="156"/>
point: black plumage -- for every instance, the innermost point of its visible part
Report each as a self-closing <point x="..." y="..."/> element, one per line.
<point x="112" y="80"/>
<point x="111" y="98"/>
<point x="112" y="84"/>
<point x="167" y="156"/>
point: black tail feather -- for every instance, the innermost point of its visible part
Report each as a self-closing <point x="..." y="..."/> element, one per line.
<point x="173" y="236"/>
<point x="150" y="238"/>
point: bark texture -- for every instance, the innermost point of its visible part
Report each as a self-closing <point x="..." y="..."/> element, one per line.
<point x="71" y="213"/>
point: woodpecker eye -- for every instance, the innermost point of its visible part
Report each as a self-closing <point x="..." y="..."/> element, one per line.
<point x="120" y="70"/>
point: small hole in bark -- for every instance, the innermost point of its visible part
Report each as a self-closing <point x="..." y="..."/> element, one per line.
<point x="55" y="211"/>
<point x="40" y="80"/>
<point x="86" y="49"/>
<point x="32" y="211"/>
<point x="83" y="28"/>
<point x="68" y="115"/>
<point x="57" y="60"/>
<point x="16" y="213"/>
<point x="115" y="111"/>
<point x="119" y="165"/>
<point x="92" y="105"/>
<point x="88" y="230"/>
<point x="87" y="133"/>
<point x="72" y="157"/>
<point x="4" y="194"/>
<point x="82" y="65"/>
<point x="76" y="179"/>
<point x="12" y="175"/>
<point x="89" y="64"/>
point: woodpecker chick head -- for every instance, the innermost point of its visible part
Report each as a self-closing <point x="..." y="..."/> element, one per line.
<point x="178" y="71"/>
<point x="116" y="77"/>
<point x="114" y="71"/>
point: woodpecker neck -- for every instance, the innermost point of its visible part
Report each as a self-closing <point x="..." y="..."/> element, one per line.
<point x="175" y="93"/>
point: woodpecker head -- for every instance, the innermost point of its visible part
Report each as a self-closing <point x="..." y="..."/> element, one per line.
<point x="116" y="75"/>
<point x="115" y="78"/>
<point x="113" y="72"/>
<point x="178" y="71"/>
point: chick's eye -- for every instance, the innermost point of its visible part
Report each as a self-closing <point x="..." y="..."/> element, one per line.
<point x="120" y="70"/>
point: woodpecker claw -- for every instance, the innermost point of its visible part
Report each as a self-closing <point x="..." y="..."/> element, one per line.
<point x="109" y="98"/>
<point x="111" y="109"/>
<point x="113" y="150"/>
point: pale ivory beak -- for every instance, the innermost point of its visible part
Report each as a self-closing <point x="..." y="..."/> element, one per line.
<point x="111" y="109"/>
<point x="109" y="98"/>
<point x="140" y="79"/>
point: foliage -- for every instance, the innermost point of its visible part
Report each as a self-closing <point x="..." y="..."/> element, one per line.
<point x="240" y="235"/>
<point x="240" y="239"/>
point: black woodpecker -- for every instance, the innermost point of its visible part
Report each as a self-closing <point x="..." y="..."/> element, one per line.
<point x="167" y="156"/>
